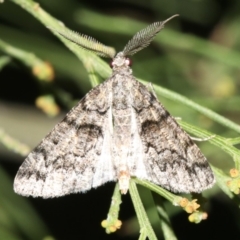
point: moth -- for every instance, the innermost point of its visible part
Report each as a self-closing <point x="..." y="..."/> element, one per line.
<point x="117" y="131"/>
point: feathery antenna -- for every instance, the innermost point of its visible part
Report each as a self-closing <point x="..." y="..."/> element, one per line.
<point x="87" y="43"/>
<point x="144" y="37"/>
<point x="139" y="41"/>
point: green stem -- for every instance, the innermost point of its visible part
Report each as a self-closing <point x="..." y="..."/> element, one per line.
<point x="165" y="221"/>
<point x="207" y="112"/>
<point x="13" y="144"/>
<point x="216" y="140"/>
<point x="114" y="209"/>
<point x="161" y="191"/>
<point x="145" y="226"/>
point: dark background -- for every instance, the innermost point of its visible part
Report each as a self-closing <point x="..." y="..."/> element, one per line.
<point x="181" y="63"/>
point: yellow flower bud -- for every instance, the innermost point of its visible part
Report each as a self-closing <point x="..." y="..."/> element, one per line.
<point x="234" y="172"/>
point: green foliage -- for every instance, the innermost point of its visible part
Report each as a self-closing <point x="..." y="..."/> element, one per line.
<point x="204" y="70"/>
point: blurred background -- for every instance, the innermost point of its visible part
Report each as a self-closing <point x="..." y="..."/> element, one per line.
<point x="196" y="55"/>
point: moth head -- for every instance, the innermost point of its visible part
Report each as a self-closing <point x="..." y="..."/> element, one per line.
<point x="120" y="61"/>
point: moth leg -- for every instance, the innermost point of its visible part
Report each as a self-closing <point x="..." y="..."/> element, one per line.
<point x="198" y="139"/>
<point x="177" y="118"/>
<point x="203" y="139"/>
<point x="151" y="89"/>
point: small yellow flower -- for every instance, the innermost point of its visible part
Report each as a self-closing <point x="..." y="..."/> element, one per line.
<point x="104" y="223"/>
<point x="189" y="209"/>
<point x="197" y="217"/>
<point x="118" y="224"/>
<point x="236" y="191"/>
<point x="234" y="172"/>
<point x="229" y="183"/>
<point x="111" y="226"/>
<point x="188" y="206"/>
<point x="195" y="204"/>
<point x="112" y="229"/>
<point x="47" y="104"/>
<point x="43" y="71"/>
<point x="234" y="184"/>
<point x="183" y="202"/>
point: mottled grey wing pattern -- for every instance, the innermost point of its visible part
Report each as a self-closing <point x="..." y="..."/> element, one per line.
<point x="172" y="159"/>
<point x="117" y="131"/>
<point x="71" y="157"/>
